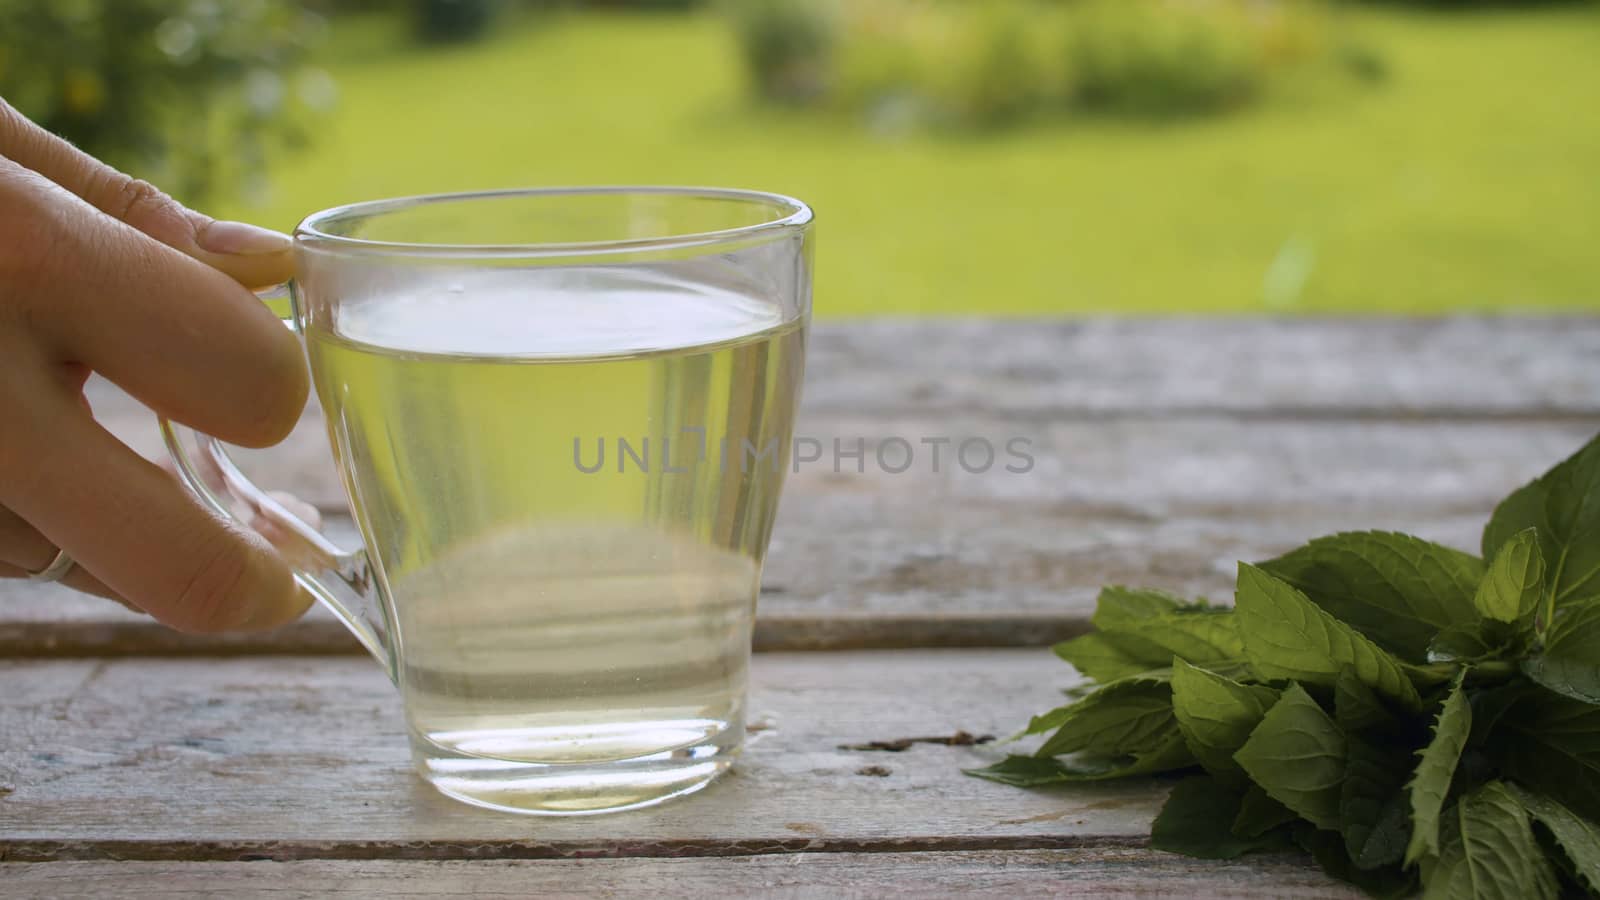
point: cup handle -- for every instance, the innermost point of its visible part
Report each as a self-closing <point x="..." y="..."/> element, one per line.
<point x="341" y="580"/>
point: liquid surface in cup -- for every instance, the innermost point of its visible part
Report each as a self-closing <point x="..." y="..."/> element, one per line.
<point x="572" y="556"/>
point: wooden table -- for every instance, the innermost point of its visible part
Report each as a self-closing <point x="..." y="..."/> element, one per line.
<point x="136" y="762"/>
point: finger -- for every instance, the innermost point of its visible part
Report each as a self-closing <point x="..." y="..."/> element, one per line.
<point x="182" y="337"/>
<point x="24" y="551"/>
<point x="284" y="540"/>
<point x="255" y="257"/>
<point x="298" y="508"/>
<point x="125" y="520"/>
<point x="78" y="580"/>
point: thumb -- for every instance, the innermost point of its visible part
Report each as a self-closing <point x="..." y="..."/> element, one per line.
<point x="253" y="256"/>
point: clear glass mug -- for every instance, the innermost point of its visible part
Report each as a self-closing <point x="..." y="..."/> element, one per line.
<point x="562" y="418"/>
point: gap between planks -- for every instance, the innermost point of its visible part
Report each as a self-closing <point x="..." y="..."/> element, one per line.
<point x="107" y="634"/>
<point x="1098" y="872"/>
<point x="946" y="560"/>
<point x="36" y="851"/>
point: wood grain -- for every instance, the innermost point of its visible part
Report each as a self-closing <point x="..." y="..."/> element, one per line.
<point x="952" y="559"/>
<point x="972" y="579"/>
<point x="1084" y="872"/>
<point x="948" y="373"/>
<point x="296" y="757"/>
<point x="1164" y="451"/>
<point x="1467" y="366"/>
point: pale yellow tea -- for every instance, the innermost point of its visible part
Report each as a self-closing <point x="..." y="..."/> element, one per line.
<point x="566" y="481"/>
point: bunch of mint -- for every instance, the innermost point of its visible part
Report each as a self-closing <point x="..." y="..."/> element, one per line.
<point x="1409" y="714"/>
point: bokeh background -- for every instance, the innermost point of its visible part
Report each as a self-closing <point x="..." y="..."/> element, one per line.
<point x="965" y="156"/>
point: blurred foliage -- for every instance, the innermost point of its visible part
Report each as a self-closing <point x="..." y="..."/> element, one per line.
<point x="787" y="45"/>
<point x="194" y="95"/>
<point x="987" y="63"/>
<point x="1414" y="198"/>
<point x="994" y="70"/>
<point x="1480" y="4"/>
<point x="905" y="63"/>
<point x="1172" y="58"/>
<point x="457" y="21"/>
<point x="647" y="4"/>
<point x="453" y="20"/>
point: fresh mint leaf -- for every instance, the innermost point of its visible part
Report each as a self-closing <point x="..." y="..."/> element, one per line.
<point x="1366" y="628"/>
<point x="1259" y="813"/>
<point x="1297" y="755"/>
<point x="1479" y="642"/>
<point x="1138" y="630"/>
<point x="1132" y="634"/>
<point x="1202" y="638"/>
<point x="1327" y="848"/>
<point x="1489" y="706"/>
<point x="1373" y="811"/>
<point x="1124" y="728"/>
<point x="1188" y="822"/>
<point x="1578" y="838"/>
<point x="1357" y="708"/>
<point x="1570" y="662"/>
<point x="1551" y="744"/>
<point x="1155" y="681"/>
<point x="1039" y="771"/>
<point x="1564" y="506"/>
<point x="1216" y="716"/>
<point x="1397" y="590"/>
<point x="1511" y="588"/>
<point x="1489" y="852"/>
<point x="1118" y="605"/>
<point x="1430" y="785"/>
<point x="1570" y="883"/>
<point x="1170" y="755"/>
<point x="1124" y="718"/>
<point x="1034" y="771"/>
<point x="1286" y="636"/>
<point x="1049" y="721"/>
<point x="1097" y="657"/>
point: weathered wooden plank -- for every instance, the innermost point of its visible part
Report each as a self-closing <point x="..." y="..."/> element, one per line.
<point x="1463" y="366"/>
<point x="1058" y="370"/>
<point x="1122" y="470"/>
<point x="950" y="558"/>
<point x="1472" y="366"/>
<point x="295" y="757"/>
<point x="1139" y="467"/>
<point x="1087" y="872"/>
<point x="985" y="579"/>
<point x="1141" y="496"/>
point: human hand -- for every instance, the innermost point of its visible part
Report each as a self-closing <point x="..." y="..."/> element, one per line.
<point x="103" y="273"/>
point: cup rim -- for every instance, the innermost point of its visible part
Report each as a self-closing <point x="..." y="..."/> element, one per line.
<point x="789" y="215"/>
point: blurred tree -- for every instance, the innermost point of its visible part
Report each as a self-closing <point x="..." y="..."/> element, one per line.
<point x="1164" y="58"/>
<point x="194" y="95"/>
<point x="986" y="64"/>
<point x="453" y="20"/>
<point x="648" y="4"/>
<point x="787" y="45"/>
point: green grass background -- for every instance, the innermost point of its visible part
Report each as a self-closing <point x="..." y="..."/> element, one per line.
<point x="1469" y="180"/>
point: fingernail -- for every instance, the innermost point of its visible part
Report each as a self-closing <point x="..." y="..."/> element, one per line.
<point x="241" y="239"/>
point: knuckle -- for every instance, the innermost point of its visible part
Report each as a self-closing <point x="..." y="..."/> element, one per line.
<point x="126" y="195"/>
<point x="143" y="205"/>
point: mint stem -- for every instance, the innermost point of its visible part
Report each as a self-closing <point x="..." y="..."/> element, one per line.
<point x="1492" y="672"/>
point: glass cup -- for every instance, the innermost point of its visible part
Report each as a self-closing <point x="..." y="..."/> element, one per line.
<point x="562" y="419"/>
